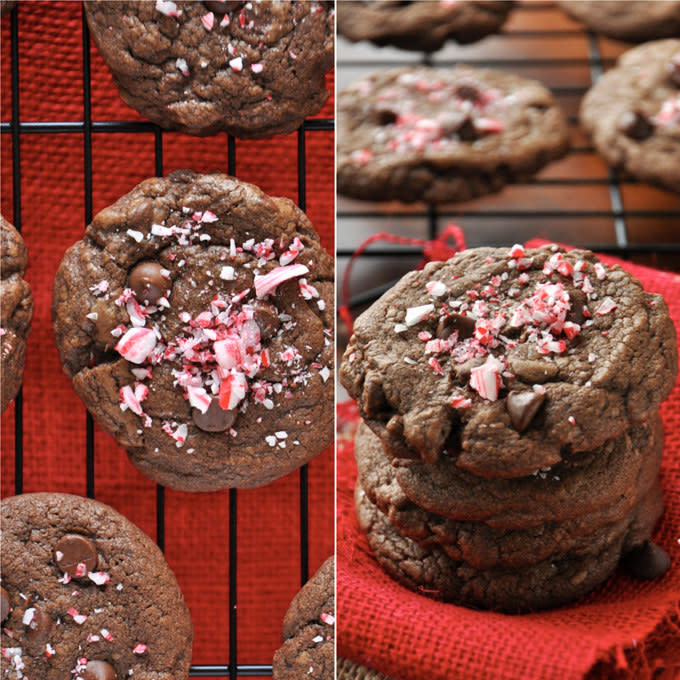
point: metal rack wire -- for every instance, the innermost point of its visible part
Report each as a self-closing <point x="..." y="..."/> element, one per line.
<point x="542" y="32"/>
<point x="88" y="128"/>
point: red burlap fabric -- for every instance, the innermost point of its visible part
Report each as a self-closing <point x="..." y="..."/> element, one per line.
<point x="624" y="630"/>
<point x="52" y="218"/>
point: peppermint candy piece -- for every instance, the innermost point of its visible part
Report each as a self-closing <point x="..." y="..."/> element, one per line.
<point x="136" y="344"/>
<point x="268" y="282"/>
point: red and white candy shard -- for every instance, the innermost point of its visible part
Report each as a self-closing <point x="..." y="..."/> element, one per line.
<point x="267" y="283"/>
<point x="136" y="344"/>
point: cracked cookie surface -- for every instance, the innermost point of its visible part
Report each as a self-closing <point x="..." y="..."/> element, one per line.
<point x="86" y="594"/>
<point x="422" y="26"/>
<point x="509" y="361"/>
<point x="308" y="648"/>
<point x="196" y="321"/>
<point x="254" y="69"/>
<point x="632" y="113"/>
<point x="441" y="135"/>
<point x="16" y="310"/>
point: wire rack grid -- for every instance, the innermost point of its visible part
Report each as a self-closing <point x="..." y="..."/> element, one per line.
<point x="577" y="200"/>
<point x="87" y="131"/>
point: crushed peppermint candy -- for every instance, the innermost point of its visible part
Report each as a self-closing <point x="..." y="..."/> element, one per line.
<point x="415" y="315"/>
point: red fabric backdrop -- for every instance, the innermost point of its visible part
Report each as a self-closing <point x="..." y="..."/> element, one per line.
<point x="623" y="630"/>
<point x="52" y="218"/>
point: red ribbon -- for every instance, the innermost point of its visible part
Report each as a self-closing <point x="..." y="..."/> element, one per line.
<point x="434" y="250"/>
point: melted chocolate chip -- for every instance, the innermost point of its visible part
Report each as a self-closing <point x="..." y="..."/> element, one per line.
<point x="148" y="283"/>
<point x="385" y="117"/>
<point x="647" y="561"/>
<point x="215" y="419"/>
<point x="72" y="551"/>
<point x="266" y="317"/>
<point x="635" y="125"/>
<point x="4" y="604"/>
<point x="468" y="92"/>
<point x="465" y="325"/>
<point x="98" y="670"/>
<point x="522" y="407"/>
<point x="39" y="628"/>
<point x="222" y="6"/>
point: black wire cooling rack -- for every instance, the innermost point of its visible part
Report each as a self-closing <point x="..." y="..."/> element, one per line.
<point x="87" y="127"/>
<point x="577" y="200"/>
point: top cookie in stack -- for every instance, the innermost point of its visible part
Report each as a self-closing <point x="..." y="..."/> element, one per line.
<point x="520" y="374"/>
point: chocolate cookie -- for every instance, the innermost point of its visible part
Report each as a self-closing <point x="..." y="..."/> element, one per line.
<point x="254" y="69"/>
<point x="16" y="310"/>
<point x="420" y="134"/>
<point x="545" y="584"/>
<point x="308" y="648"/>
<point x="196" y="321"/>
<point x="423" y="26"/>
<point x="632" y="113"/>
<point x="465" y="534"/>
<point x="632" y="20"/>
<point x="509" y="361"/>
<point x="86" y="594"/>
<point x="610" y="476"/>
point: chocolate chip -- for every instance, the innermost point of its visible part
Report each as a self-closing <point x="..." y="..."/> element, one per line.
<point x="467" y="92"/>
<point x="266" y="317"/>
<point x="465" y="325"/>
<point x="75" y="555"/>
<point x="522" y="407"/>
<point x="148" y="283"/>
<point x="674" y="70"/>
<point x="4" y="604"/>
<point x="385" y="117"/>
<point x="98" y="670"/>
<point x="39" y="628"/>
<point x="647" y="561"/>
<point x="215" y="419"/>
<point x="634" y="125"/>
<point x="459" y="124"/>
<point x="222" y="6"/>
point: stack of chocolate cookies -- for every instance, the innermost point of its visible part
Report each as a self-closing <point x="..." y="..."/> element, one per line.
<point x="510" y="446"/>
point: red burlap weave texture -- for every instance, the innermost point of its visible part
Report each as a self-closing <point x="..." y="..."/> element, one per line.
<point x="625" y="629"/>
<point x="54" y="438"/>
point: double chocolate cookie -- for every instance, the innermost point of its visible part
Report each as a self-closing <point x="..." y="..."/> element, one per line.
<point x="86" y="594"/>
<point x="632" y="113"/>
<point x="16" y="310"/>
<point x="510" y="360"/>
<point x="308" y="649"/>
<point x="254" y="69"/>
<point x="632" y="20"/>
<point x="196" y="321"/>
<point x="513" y="396"/>
<point x="422" y="134"/>
<point x="545" y="584"/>
<point x="423" y="26"/>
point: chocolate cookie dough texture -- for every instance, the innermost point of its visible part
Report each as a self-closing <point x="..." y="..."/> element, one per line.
<point x="632" y="113"/>
<point x="308" y="649"/>
<point x="628" y="20"/>
<point x="86" y="595"/>
<point x="16" y="310"/>
<point x="435" y="135"/>
<point x="510" y="446"/>
<point x="195" y="319"/>
<point x="422" y="26"/>
<point x="254" y="69"/>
